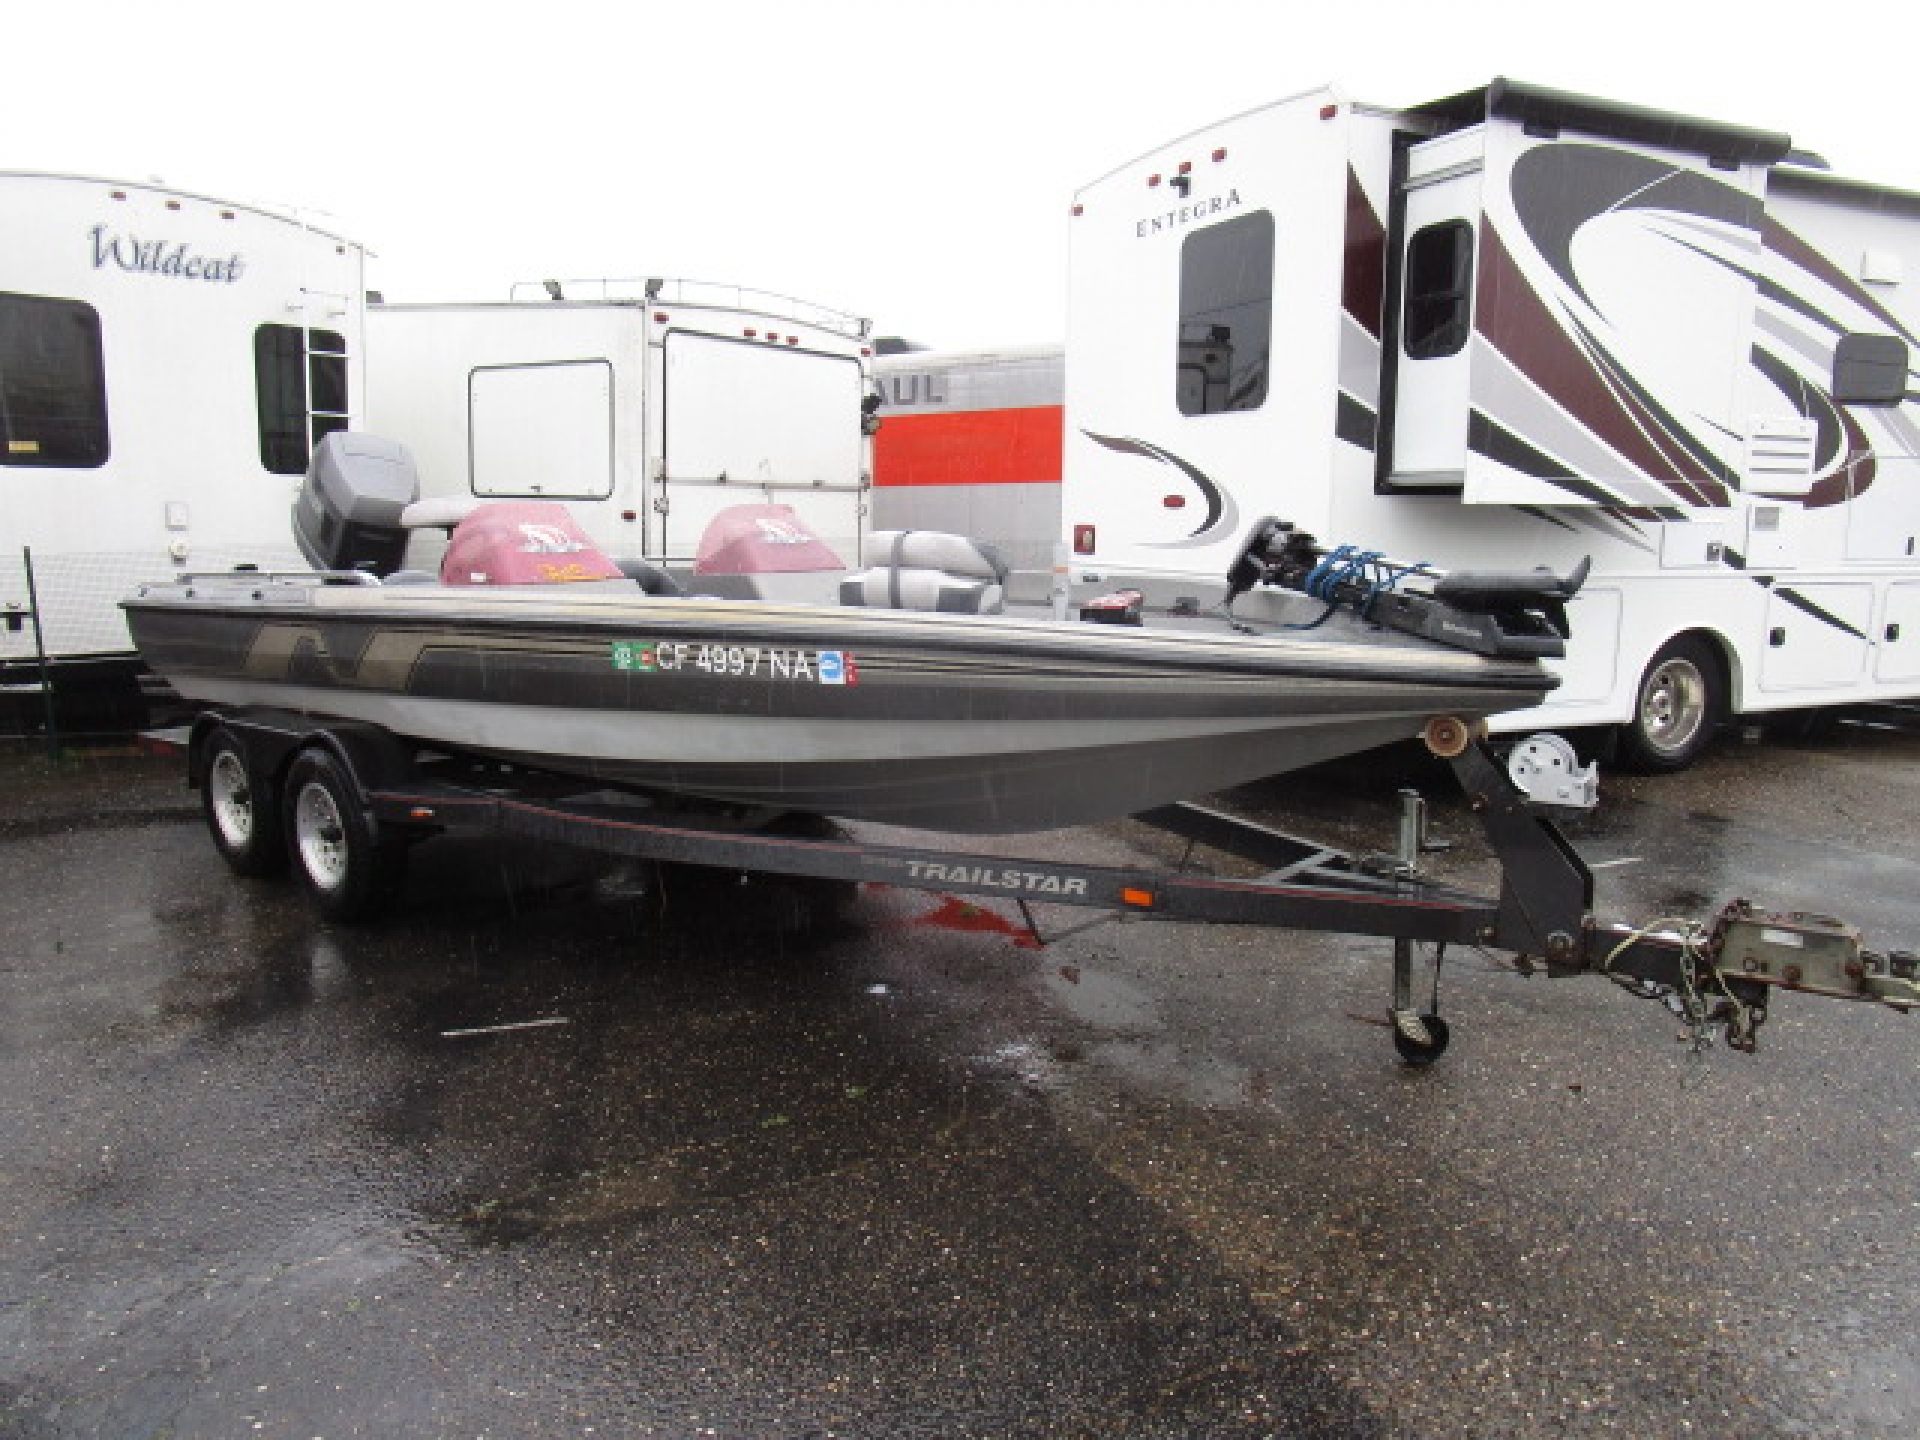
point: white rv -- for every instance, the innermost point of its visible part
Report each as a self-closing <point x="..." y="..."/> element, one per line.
<point x="646" y="406"/>
<point x="167" y="361"/>
<point x="1516" y="327"/>
<point x="969" y="442"/>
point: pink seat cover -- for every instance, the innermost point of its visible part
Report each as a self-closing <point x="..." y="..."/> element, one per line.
<point x="522" y="542"/>
<point x="761" y="540"/>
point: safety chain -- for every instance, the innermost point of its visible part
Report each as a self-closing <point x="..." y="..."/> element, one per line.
<point x="1694" y="1003"/>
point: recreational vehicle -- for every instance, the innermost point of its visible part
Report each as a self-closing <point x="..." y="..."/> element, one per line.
<point x="1517" y="326"/>
<point x="167" y="361"/>
<point x="647" y="406"/>
<point x="969" y="442"/>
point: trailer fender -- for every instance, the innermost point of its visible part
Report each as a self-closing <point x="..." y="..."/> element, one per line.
<point x="370" y="757"/>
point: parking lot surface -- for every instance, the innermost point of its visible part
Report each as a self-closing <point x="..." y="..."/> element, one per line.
<point x="562" y="1148"/>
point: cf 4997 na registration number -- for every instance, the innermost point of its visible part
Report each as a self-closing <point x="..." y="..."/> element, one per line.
<point x="737" y="662"/>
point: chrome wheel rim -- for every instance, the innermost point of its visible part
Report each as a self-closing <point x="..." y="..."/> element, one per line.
<point x="232" y="799"/>
<point x="321" y="836"/>
<point x="1673" y="706"/>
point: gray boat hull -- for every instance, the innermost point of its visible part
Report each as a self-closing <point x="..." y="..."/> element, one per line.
<point x="960" y="723"/>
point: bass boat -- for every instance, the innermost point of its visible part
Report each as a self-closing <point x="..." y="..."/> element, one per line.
<point x="897" y="695"/>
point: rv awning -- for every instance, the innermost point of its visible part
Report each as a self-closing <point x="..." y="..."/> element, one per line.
<point x="1535" y="105"/>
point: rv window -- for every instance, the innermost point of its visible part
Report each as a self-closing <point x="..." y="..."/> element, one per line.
<point x="1226" y="316"/>
<point x="1870" y="370"/>
<point x="1439" y="290"/>
<point x="294" y="416"/>
<point x="53" y="388"/>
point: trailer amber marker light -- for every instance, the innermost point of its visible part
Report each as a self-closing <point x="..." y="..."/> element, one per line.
<point x="1139" y="899"/>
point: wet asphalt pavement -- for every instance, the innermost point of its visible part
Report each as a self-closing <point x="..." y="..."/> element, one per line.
<point x="913" y="1175"/>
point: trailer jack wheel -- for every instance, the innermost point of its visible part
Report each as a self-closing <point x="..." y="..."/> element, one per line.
<point x="1419" y="1035"/>
<point x="1420" y="1039"/>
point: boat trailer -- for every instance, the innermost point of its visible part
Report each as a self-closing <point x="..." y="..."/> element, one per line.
<point x="341" y="803"/>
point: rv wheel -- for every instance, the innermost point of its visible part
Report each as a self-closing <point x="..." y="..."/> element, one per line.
<point x="242" y="809"/>
<point x="1675" y="710"/>
<point x="351" y="870"/>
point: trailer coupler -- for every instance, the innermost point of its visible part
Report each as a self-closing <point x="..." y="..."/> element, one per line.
<point x="1723" y="973"/>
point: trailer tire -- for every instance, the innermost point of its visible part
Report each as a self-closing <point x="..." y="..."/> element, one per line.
<point x="350" y="868"/>
<point x="242" y="809"/>
<point x="1677" y="707"/>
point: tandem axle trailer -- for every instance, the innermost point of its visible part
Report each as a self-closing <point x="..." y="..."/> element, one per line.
<point x="341" y="804"/>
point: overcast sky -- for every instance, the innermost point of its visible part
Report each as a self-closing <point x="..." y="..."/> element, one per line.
<point x="909" y="160"/>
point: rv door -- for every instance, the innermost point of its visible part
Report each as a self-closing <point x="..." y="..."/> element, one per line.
<point x="750" y="424"/>
<point x="1440" y="199"/>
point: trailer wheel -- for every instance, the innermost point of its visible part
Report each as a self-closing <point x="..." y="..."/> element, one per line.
<point x="1675" y="710"/>
<point x="242" y="809"/>
<point x="350" y="868"/>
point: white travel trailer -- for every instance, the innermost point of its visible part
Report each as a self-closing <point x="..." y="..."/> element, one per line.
<point x="969" y="442"/>
<point x="167" y="362"/>
<point x="646" y="406"/>
<point x="1516" y="327"/>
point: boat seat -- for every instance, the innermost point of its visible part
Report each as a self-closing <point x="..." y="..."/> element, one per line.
<point x="929" y="570"/>
<point x="649" y="576"/>
<point x="891" y="587"/>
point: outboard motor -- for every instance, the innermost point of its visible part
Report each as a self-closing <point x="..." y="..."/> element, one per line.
<point x="347" y="516"/>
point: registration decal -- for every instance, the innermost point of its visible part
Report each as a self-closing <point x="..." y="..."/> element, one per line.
<point x="737" y="662"/>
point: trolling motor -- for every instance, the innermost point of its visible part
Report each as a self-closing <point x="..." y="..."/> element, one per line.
<point x="1516" y="614"/>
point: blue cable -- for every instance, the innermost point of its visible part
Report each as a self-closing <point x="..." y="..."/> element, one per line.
<point x="1369" y="571"/>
